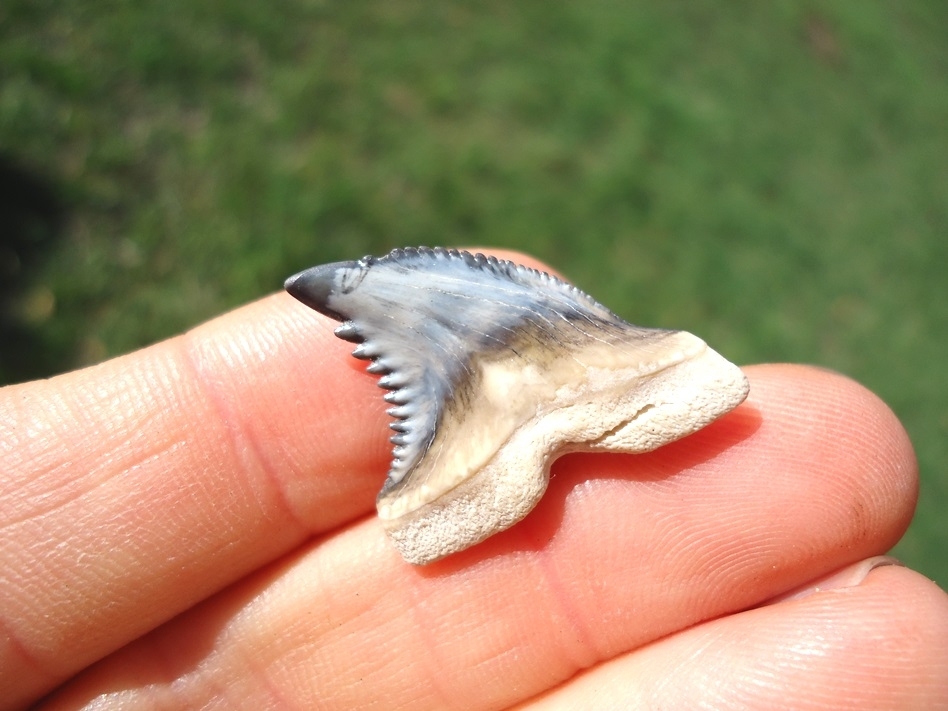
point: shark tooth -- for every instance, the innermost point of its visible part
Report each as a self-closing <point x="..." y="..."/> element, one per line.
<point x="495" y="370"/>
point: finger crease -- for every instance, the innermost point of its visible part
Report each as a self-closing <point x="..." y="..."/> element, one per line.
<point x="242" y="438"/>
<point x="576" y="639"/>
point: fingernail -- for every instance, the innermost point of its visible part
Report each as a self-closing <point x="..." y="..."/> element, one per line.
<point x="848" y="577"/>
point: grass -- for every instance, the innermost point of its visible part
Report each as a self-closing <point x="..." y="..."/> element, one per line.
<point x="769" y="175"/>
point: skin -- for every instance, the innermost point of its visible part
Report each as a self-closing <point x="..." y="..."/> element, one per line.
<point x="192" y="526"/>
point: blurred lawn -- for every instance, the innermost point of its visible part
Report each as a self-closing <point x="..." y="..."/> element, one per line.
<point x="772" y="176"/>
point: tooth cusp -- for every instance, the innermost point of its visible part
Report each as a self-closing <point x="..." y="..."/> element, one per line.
<point x="363" y="351"/>
<point x="348" y="332"/>
<point x="393" y="381"/>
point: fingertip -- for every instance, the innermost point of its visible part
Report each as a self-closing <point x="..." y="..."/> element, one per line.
<point x="818" y="394"/>
<point x="848" y="422"/>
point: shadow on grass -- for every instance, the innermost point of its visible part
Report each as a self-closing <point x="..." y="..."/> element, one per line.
<point x="32" y="220"/>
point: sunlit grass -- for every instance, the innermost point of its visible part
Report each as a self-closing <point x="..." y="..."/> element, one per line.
<point x="769" y="175"/>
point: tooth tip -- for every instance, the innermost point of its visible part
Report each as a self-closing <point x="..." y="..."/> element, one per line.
<point x="315" y="287"/>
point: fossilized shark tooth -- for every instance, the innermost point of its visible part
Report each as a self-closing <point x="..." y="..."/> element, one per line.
<point x="495" y="370"/>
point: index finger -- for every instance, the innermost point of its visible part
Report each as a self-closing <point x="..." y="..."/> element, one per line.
<point x="133" y="489"/>
<point x="812" y="474"/>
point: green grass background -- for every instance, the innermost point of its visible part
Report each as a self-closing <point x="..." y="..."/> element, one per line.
<point x="771" y="176"/>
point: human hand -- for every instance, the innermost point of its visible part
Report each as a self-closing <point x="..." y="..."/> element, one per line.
<point x="192" y="526"/>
